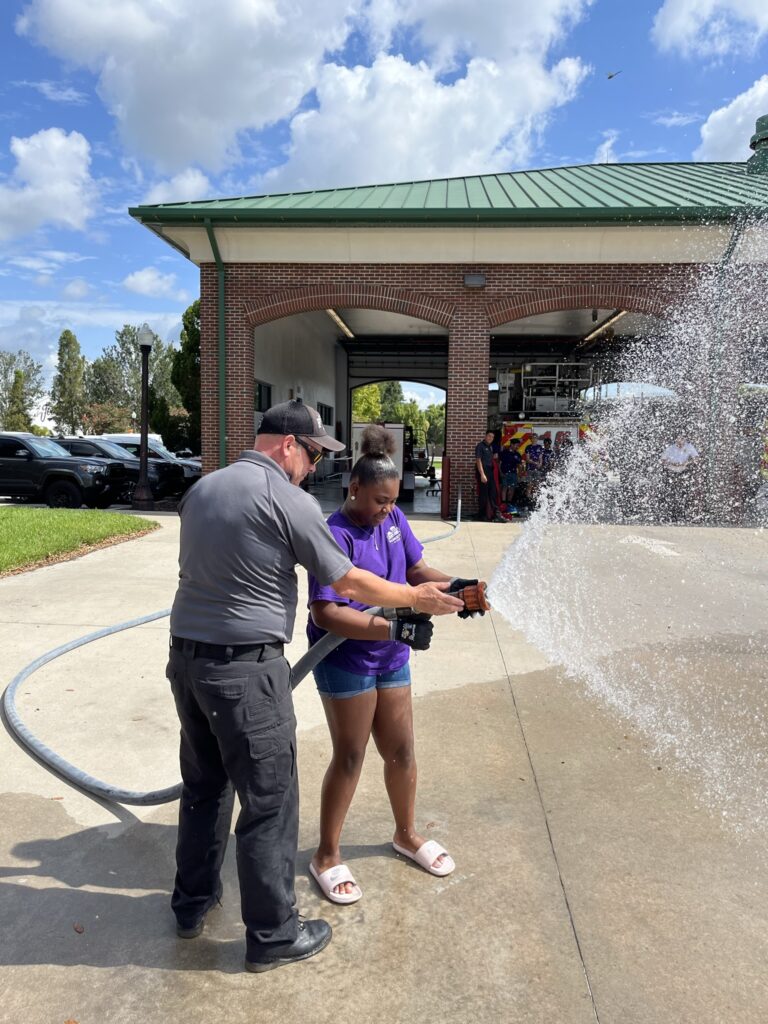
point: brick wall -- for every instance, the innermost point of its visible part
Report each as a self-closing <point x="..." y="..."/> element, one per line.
<point x="257" y="293"/>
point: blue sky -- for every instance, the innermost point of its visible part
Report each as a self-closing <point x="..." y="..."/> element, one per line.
<point x="110" y="104"/>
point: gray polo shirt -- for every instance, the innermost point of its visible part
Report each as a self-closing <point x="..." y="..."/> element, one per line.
<point x="243" y="530"/>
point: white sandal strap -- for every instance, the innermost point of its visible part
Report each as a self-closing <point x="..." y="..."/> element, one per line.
<point x="337" y="875"/>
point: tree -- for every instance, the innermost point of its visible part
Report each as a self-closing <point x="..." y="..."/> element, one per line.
<point x="67" y="391"/>
<point x="104" y="383"/>
<point x="114" y="379"/>
<point x="32" y="381"/>
<point x="415" y="418"/>
<point x="436" y="430"/>
<point x="366" y="404"/>
<point x="185" y="373"/>
<point x="17" y="416"/>
<point x="392" y="401"/>
<point x="106" y="418"/>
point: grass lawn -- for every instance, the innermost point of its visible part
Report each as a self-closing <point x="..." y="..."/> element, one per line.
<point x="37" y="536"/>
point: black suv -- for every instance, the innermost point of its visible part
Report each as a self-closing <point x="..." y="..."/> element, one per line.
<point x="165" y="479"/>
<point x="38" y="469"/>
<point x="156" y="452"/>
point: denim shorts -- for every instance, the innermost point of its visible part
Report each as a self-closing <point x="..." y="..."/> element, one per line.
<point x="337" y="683"/>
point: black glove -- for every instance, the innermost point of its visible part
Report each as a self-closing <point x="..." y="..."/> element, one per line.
<point x="415" y="631"/>
<point x="457" y="584"/>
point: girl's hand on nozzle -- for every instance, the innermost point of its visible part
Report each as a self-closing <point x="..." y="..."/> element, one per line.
<point x="432" y="599"/>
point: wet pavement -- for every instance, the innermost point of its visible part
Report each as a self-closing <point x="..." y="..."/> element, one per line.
<point x="594" y="882"/>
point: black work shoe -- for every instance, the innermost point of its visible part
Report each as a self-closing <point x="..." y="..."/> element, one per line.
<point x="192" y="931"/>
<point x="313" y="936"/>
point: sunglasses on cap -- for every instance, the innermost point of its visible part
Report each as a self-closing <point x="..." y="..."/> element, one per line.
<point x="315" y="454"/>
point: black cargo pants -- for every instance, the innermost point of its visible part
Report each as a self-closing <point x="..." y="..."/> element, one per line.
<point x="238" y="732"/>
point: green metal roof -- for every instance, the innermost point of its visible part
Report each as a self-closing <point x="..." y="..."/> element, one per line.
<point x="589" y="193"/>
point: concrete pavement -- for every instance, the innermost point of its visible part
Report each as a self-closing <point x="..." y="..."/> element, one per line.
<point x="589" y="884"/>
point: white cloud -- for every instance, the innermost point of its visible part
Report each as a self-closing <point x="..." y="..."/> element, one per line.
<point x="395" y="121"/>
<point x="184" y="187"/>
<point x="452" y="29"/>
<point x="35" y="327"/>
<point x="240" y="66"/>
<point x="47" y="261"/>
<point x="183" y="82"/>
<point x="605" y="152"/>
<point x="77" y="288"/>
<point x="726" y="133"/>
<point x="51" y="183"/>
<point x="57" y="93"/>
<point x="151" y="282"/>
<point x="710" y="28"/>
<point x="423" y="395"/>
<point x="60" y="256"/>
<point x="676" y="119"/>
<point x="33" y="263"/>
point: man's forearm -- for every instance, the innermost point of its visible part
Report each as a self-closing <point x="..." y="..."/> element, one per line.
<point x="363" y="586"/>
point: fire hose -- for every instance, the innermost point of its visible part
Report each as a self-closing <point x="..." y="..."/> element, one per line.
<point x="474" y="600"/>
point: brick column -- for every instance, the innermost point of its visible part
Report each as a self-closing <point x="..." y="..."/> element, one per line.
<point x="209" y="368"/>
<point x="240" y="367"/>
<point x="240" y="386"/>
<point x="469" y="344"/>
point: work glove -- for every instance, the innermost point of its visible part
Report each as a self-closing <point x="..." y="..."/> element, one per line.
<point x="457" y="584"/>
<point x="415" y="631"/>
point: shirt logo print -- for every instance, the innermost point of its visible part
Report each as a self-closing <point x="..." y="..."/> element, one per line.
<point x="393" y="534"/>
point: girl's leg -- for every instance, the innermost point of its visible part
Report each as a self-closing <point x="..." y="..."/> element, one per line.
<point x="349" y="721"/>
<point x="393" y="735"/>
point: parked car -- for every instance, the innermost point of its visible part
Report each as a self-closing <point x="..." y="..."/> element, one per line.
<point x="165" y="479"/>
<point x="158" y="452"/>
<point x="38" y="469"/>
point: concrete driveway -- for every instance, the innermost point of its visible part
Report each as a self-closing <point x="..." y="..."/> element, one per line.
<point x="590" y="885"/>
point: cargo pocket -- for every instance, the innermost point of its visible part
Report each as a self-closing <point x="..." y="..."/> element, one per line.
<point x="258" y="712"/>
<point x="272" y="772"/>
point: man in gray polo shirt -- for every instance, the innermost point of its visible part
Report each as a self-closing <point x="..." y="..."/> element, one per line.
<point x="243" y="530"/>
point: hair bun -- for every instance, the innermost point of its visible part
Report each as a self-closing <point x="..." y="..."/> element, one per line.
<point x="377" y="442"/>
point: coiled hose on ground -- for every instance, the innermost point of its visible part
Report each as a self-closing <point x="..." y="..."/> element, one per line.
<point x="103" y="790"/>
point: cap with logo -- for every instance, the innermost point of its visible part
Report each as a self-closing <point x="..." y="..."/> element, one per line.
<point x="295" y="417"/>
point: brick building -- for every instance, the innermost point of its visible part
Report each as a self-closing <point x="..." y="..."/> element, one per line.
<point x="451" y="282"/>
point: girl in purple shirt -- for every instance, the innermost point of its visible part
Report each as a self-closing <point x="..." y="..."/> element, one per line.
<point x="365" y="682"/>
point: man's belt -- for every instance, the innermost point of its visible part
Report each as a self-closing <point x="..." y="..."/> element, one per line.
<point x="227" y="652"/>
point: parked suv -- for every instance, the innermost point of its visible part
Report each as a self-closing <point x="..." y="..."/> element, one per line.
<point x="165" y="480"/>
<point x="157" y="452"/>
<point x="39" y="469"/>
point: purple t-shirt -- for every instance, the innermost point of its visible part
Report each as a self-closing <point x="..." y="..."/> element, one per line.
<point x="387" y="550"/>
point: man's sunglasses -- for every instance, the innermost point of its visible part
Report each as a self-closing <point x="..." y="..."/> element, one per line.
<point x="315" y="454"/>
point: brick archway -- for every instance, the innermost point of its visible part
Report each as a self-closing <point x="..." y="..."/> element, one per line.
<point x="587" y="296"/>
<point x="292" y="301"/>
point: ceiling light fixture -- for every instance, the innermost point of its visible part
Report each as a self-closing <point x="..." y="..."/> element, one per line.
<point x="606" y="323"/>
<point x="339" y="322"/>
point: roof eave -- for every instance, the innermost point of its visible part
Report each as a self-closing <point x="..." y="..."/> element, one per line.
<point x="158" y="216"/>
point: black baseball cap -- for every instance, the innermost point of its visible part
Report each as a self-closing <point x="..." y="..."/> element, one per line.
<point x="296" y="418"/>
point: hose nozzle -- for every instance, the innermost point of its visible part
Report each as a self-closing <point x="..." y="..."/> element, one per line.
<point x="474" y="597"/>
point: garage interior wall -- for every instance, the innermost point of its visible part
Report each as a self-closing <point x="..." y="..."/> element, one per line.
<point x="298" y="354"/>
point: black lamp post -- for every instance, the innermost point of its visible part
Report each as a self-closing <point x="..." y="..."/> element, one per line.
<point x="142" y="493"/>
